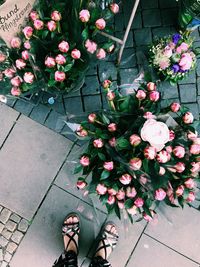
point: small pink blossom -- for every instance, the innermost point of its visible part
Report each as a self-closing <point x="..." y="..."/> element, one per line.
<point x="60" y="59"/>
<point x="28" y="77"/>
<point x="92" y="117"/>
<point x="120" y="195"/>
<point x="182" y="48"/>
<point x="81" y="184"/>
<point x="81" y="132"/>
<point x="112" y="191"/>
<point x="114" y="8"/>
<point x="179" y="152"/>
<point x="111" y="200"/>
<point x="160" y="194"/>
<point x="135" y="140"/>
<point x="175" y="107"/>
<point x="101" y="189"/>
<point x="51" y="25"/>
<point x="191" y="197"/>
<point x="27" y="45"/>
<point x="98" y="143"/>
<point x="150" y="152"/>
<point x="195" y="149"/>
<point x="56" y="16"/>
<point x="195" y="167"/>
<point x="16" y="81"/>
<point x="108" y="165"/>
<point x="90" y="46"/>
<point x="76" y="54"/>
<point x="125" y="179"/>
<point x="15" y="91"/>
<point x="63" y="47"/>
<point x="151" y="86"/>
<point x="20" y="64"/>
<point x="112" y="127"/>
<point x="9" y="73"/>
<point x="141" y="94"/>
<point x="154" y="96"/>
<point x="34" y="15"/>
<point x="112" y="142"/>
<point x="15" y="42"/>
<point x="189" y="183"/>
<point x="100" y="24"/>
<point x="38" y="24"/>
<point x="101" y="53"/>
<point x="50" y="62"/>
<point x="60" y="76"/>
<point x="25" y="55"/>
<point x="163" y="156"/>
<point x="180" y="167"/>
<point x="139" y="202"/>
<point x="135" y="164"/>
<point x="131" y="192"/>
<point x="120" y="205"/>
<point x="133" y="210"/>
<point x="84" y="15"/>
<point x="180" y="191"/>
<point x="28" y="32"/>
<point x="85" y="161"/>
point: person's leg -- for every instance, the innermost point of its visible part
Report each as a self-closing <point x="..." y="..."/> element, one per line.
<point x="107" y="241"/>
<point x="70" y="231"/>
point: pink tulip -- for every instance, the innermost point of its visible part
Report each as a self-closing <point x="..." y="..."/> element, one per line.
<point x="20" y="64"/>
<point x="171" y="135"/>
<point x="163" y="156"/>
<point x="149" y="115"/>
<point x="150" y="152"/>
<point x="2" y="57"/>
<point x="151" y="86"/>
<point x="120" y="195"/>
<point x="92" y="117"/>
<point x="63" y="47"/>
<point x="112" y="127"/>
<point x="9" y="73"/>
<point x="188" y="118"/>
<point x="60" y="59"/>
<point x="139" y="202"/>
<point x="51" y="25"/>
<point x="110" y="96"/>
<point x="175" y="107"/>
<point x="38" y="24"/>
<point x="191" y="197"/>
<point x="112" y="191"/>
<point x="195" y="149"/>
<point x="34" y="15"/>
<point x="179" y="152"/>
<point x="84" y="15"/>
<point x="160" y="194"/>
<point x="56" y="16"/>
<point x="112" y="142"/>
<point x="101" y="53"/>
<point x="108" y="165"/>
<point x="180" y="167"/>
<point x="131" y="192"/>
<point x="25" y="55"/>
<point x="90" y="46"/>
<point x="111" y="200"/>
<point x="80" y="131"/>
<point x="162" y="171"/>
<point x="15" y="42"/>
<point x="141" y="94"/>
<point x="135" y="164"/>
<point x="28" y="77"/>
<point x="27" y="45"/>
<point x="15" y="91"/>
<point x="28" y="32"/>
<point x="101" y="189"/>
<point x="100" y="24"/>
<point x="154" y="96"/>
<point x="85" y="161"/>
<point x="98" y="143"/>
<point x="60" y="76"/>
<point x="16" y="81"/>
<point x="180" y="191"/>
<point x="114" y="8"/>
<point x="189" y="183"/>
<point x="125" y="179"/>
<point x="135" y="140"/>
<point x="76" y="54"/>
<point x="106" y="84"/>
<point x="81" y="184"/>
<point x="133" y="210"/>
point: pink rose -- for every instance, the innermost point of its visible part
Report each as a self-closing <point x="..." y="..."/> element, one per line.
<point x="25" y="55"/>
<point x="180" y="190"/>
<point x="191" y="197"/>
<point x="60" y="59"/>
<point x="133" y="210"/>
<point x="50" y="62"/>
<point x="195" y="149"/>
<point x="112" y="142"/>
<point x="63" y="47"/>
<point x="51" y="25"/>
<point x="16" y="81"/>
<point x="111" y="200"/>
<point x="167" y="51"/>
<point x="150" y="152"/>
<point x="110" y="96"/>
<point x="85" y="161"/>
<point x="34" y="15"/>
<point x="186" y="61"/>
<point x="108" y="165"/>
<point x="112" y="191"/>
<point x="163" y="156"/>
<point x="20" y="64"/>
<point x="151" y="86"/>
<point x="120" y="205"/>
<point x="76" y="54"/>
<point x="15" y="91"/>
<point x="188" y="118"/>
<point x="191" y="135"/>
<point x="139" y="202"/>
<point x="125" y="179"/>
<point x="9" y="73"/>
<point x="135" y="164"/>
<point x="160" y="194"/>
<point x="195" y="167"/>
<point x="175" y="107"/>
<point x="38" y="24"/>
<point x="2" y="57"/>
<point x="106" y="84"/>
<point x="120" y="195"/>
<point x="81" y="184"/>
<point x="135" y="140"/>
<point x="182" y="48"/>
<point x="101" y="53"/>
<point x="60" y="76"/>
<point x="98" y="143"/>
<point x="55" y="15"/>
<point x="28" y="32"/>
<point x="131" y="192"/>
<point x="189" y="183"/>
<point x="162" y="171"/>
<point x="114" y="8"/>
<point x="84" y="15"/>
<point x="149" y="115"/>
<point x="147" y="217"/>
<point x="112" y="127"/>
<point x="154" y="96"/>
<point x="101" y="189"/>
<point x="179" y="152"/>
<point x="180" y="167"/>
<point x="171" y="135"/>
<point x="92" y="117"/>
<point x="100" y="24"/>
<point x="90" y="46"/>
<point x="81" y="132"/>
<point x="28" y="77"/>
<point x="27" y="45"/>
<point x="15" y="42"/>
<point x="141" y="94"/>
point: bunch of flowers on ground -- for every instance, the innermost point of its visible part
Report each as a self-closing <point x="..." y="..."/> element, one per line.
<point x="54" y="47"/>
<point x="173" y="57"/>
<point x="138" y="155"/>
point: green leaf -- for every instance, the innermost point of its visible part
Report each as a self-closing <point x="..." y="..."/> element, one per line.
<point x="122" y="143"/>
<point x="51" y="83"/>
<point x="78" y="169"/>
<point x="105" y="119"/>
<point x="145" y="164"/>
<point x="68" y="67"/>
<point x="85" y="34"/>
<point x="104" y="175"/>
<point x="117" y="211"/>
<point x="129" y="203"/>
<point x="102" y="156"/>
<point x="44" y="34"/>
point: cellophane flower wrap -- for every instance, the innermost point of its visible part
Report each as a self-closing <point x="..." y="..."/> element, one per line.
<point x="138" y="155"/>
<point x="173" y="57"/>
<point x="54" y="48"/>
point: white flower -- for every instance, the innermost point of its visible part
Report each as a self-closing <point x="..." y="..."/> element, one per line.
<point x="156" y="133"/>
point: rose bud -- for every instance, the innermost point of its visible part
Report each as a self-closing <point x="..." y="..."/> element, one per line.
<point x="154" y="96"/>
<point x="106" y="84"/>
<point x="169" y="149"/>
<point x="81" y="132"/>
<point x="135" y="164"/>
<point x="114" y="8"/>
<point x="101" y="53"/>
<point x="139" y="202"/>
<point x="85" y="161"/>
<point x="188" y="118"/>
<point x="76" y="54"/>
<point x="147" y="217"/>
<point x="51" y="25"/>
<point x="34" y="15"/>
<point x="160" y="194"/>
<point x="175" y="107"/>
<point x="101" y="189"/>
<point x="179" y="152"/>
<point x="112" y="127"/>
<point x="111" y="48"/>
<point x="2" y="57"/>
<point x="98" y="143"/>
<point x="15" y="42"/>
<point x="60" y="76"/>
<point x="120" y="205"/>
<point x="131" y="192"/>
<point x="112" y="142"/>
<point x="180" y="190"/>
<point x="100" y="24"/>
<point x="111" y="200"/>
<point x="189" y="183"/>
<point x="163" y="156"/>
<point x="112" y="191"/>
<point x="140" y="94"/>
<point x="162" y="171"/>
<point x="92" y="117"/>
<point x="20" y="64"/>
<point x="191" y="135"/>
<point x="90" y="46"/>
<point x="133" y="210"/>
<point x="63" y="47"/>
<point x="143" y="179"/>
<point x="50" y="62"/>
<point x="84" y="15"/>
<point x="60" y="59"/>
<point x="120" y="195"/>
<point x="135" y="140"/>
<point x="151" y="86"/>
<point x="180" y="167"/>
<point x="150" y="152"/>
<point x="55" y="15"/>
<point x="28" y="32"/>
<point x="125" y="179"/>
<point x="108" y="166"/>
<point x="196" y="141"/>
<point x="9" y="73"/>
<point x="149" y="115"/>
<point x="195" y="167"/>
<point x="171" y="135"/>
<point x="81" y="184"/>
<point x="15" y="91"/>
<point x="27" y="45"/>
<point x="25" y="55"/>
<point x="110" y="96"/>
<point x="38" y="24"/>
<point x="28" y="77"/>
<point x="191" y="197"/>
<point x="195" y="149"/>
<point x="16" y="81"/>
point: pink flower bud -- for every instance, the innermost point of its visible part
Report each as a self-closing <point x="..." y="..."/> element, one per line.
<point x="28" y="32"/>
<point x="133" y="210"/>
<point x="120" y="205"/>
<point x="60" y="76"/>
<point x="139" y="202"/>
<point x="110" y="96"/>
<point x="28" y="77"/>
<point x="112" y="142"/>
<point x="2" y="57"/>
<point x="27" y="45"/>
<point x="112" y="127"/>
<point x="180" y="167"/>
<point x="120" y="195"/>
<point x="175" y="107"/>
<point x="76" y="54"/>
<point x="111" y="200"/>
<point x="151" y="86"/>
<point x="92" y="117"/>
<point x="154" y="96"/>
<point x="162" y="171"/>
<point x="9" y="73"/>
<point x="84" y="15"/>
<point x="131" y="192"/>
<point x="191" y="197"/>
<point x="108" y="165"/>
<point x="114" y="8"/>
<point x="15" y="42"/>
<point x="135" y="164"/>
<point x="81" y="184"/>
<point x="100" y="24"/>
<point x="15" y="91"/>
<point x="101" y="189"/>
<point x="171" y="135"/>
<point x="188" y="118"/>
<point x="125" y="179"/>
<point x="34" y="15"/>
<point x="135" y="140"/>
<point x="50" y="62"/>
<point x="191" y="135"/>
<point x="147" y="217"/>
<point x="85" y="161"/>
<point x="63" y="47"/>
<point x="189" y="183"/>
<point x="90" y="46"/>
<point x="195" y="167"/>
<point x="195" y="149"/>
<point x="180" y="190"/>
<point x="25" y="55"/>
<point x="163" y="156"/>
<point x="60" y="59"/>
<point x="98" y="143"/>
<point x="150" y="152"/>
<point x="179" y="152"/>
<point x="16" y="81"/>
<point x="160" y="194"/>
<point x="81" y="132"/>
<point x="20" y="64"/>
<point x="149" y="115"/>
<point x="101" y="53"/>
<point x="106" y="84"/>
<point x="55" y="15"/>
<point x="112" y="191"/>
<point x="38" y="24"/>
<point x="140" y="94"/>
<point x="51" y="25"/>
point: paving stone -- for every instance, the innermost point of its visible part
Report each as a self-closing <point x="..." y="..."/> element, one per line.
<point x="11" y="226"/>
<point x="162" y="32"/>
<point x="17" y="237"/>
<point x="11" y="248"/>
<point x="166" y="4"/>
<point x="166" y="102"/>
<point x="3" y="242"/>
<point x="58" y="106"/>
<point x="40" y="158"/>
<point x="7" y="234"/>
<point x="169" y="16"/>
<point x="149" y="4"/>
<point x="156" y="254"/>
<point x="128" y="75"/>
<point x="198" y="67"/>
<point x="1" y="208"/>
<point x="128" y="58"/>
<point x="119" y="22"/>
<point x="23" y="225"/>
<point x="188" y="93"/>
<point x="198" y="85"/>
<point x="107" y="71"/>
<point x="137" y="22"/>
<point x="40" y="113"/>
<point x="129" y="42"/>
<point x="92" y="69"/>
<point x="92" y="103"/>
<point x="168" y="91"/>
<point x="191" y="78"/>
<point x="4" y="264"/>
<point x="91" y="86"/>
<point x="1" y="255"/>
<point x="194" y="108"/>
<point x="55" y="121"/>
<point x="143" y="36"/>
<point x="23" y="107"/>
<point x="4" y="216"/>
<point x="15" y="218"/>
<point x="151" y="18"/>
<point x="1" y="227"/>
<point x="7" y="257"/>
<point x="74" y="105"/>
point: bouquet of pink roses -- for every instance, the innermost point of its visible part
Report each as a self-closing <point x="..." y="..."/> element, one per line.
<point x="138" y="155"/>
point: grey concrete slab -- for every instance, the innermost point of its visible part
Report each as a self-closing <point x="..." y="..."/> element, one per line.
<point x="179" y="229"/>
<point x="43" y="242"/>
<point x="7" y="117"/>
<point x="153" y="254"/>
<point x="29" y="161"/>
